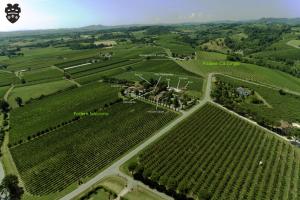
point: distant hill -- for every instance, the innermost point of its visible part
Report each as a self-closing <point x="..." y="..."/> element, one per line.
<point x="290" y="21"/>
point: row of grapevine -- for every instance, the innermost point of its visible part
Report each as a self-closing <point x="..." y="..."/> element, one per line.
<point x="82" y="149"/>
<point x="223" y="155"/>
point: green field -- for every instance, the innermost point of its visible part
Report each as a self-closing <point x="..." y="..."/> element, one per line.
<point x="36" y="58"/>
<point x="82" y="149"/>
<point x="216" y="155"/>
<point x="7" y="79"/>
<point x="112" y="184"/>
<point x="99" y="76"/>
<point x="99" y="67"/>
<point x="56" y="109"/>
<point x="42" y="75"/>
<point x="244" y="71"/>
<point x="283" y="107"/>
<point x="141" y="193"/>
<point x="3" y="90"/>
<point x="36" y="91"/>
<point x="176" y="46"/>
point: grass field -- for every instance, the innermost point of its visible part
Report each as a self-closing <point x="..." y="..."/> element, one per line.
<point x="283" y="107"/>
<point x="3" y="90"/>
<point x="42" y="75"/>
<point x="218" y="155"/>
<point x="175" y="45"/>
<point x="245" y="71"/>
<point x="141" y="193"/>
<point x="36" y="58"/>
<point x="100" y="67"/>
<point x="99" y="76"/>
<point x="112" y="183"/>
<point x="36" y="91"/>
<point x="294" y="43"/>
<point x="7" y="79"/>
<point x="162" y="66"/>
<point x="36" y="116"/>
<point x="80" y="150"/>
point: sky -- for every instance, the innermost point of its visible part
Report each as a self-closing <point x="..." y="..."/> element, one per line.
<point x="47" y="14"/>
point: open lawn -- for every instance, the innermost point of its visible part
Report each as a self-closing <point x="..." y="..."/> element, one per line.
<point x="141" y="193"/>
<point x="80" y="150"/>
<point x="36" y="91"/>
<point x="56" y="109"/>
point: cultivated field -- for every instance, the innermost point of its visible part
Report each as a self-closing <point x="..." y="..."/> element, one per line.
<point x="244" y="71"/>
<point x="80" y="150"/>
<point x="36" y="116"/>
<point x="36" y="91"/>
<point x="216" y="155"/>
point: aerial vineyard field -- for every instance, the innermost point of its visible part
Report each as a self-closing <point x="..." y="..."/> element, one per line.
<point x="98" y="76"/>
<point x="99" y="67"/>
<point x="82" y="149"/>
<point x="218" y="155"/>
<point x="34" y="117"/>
<point x="28" y="92"/>
<point x="42" y="75"/>
<point x="7" y="79"/>
<point x="162" y="66"/>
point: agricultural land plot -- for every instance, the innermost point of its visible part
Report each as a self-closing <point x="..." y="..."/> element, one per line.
<point x="99" y="76"/>
<point x="3" y="90"/>
<point x="294" y="43"/>
<point x="208" y="62"/>
<point x="283" y="53"/>
<point x="176" y="46"/>
<point x="31" y="92"/>
<point x="216" y="155"/>
<point x="99" y="67"/>
<point x="44" y="57"/>
<point x="56" y="109"/>
<point x="80" y="150"/>
<point x="7" y="78"/>
<point x="162" y="66"/>
<point x="41" y="75"/>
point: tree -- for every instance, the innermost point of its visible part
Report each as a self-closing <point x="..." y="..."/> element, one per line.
<point x="11" y="184"/>
<point x="4" y="106"/>
<point x="19" y="101"/>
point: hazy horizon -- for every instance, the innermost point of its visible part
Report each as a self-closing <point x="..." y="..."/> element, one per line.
<point x="53" y="14"/>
